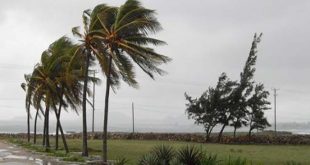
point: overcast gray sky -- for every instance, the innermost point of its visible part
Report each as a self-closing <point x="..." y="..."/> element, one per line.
<point x="204" y="39"/>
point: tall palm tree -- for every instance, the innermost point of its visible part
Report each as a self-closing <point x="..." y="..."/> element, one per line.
<point x="125" y="35"/>
<point x="40" y="81"/>
<point x="28" y="103"/>
<point x="90" y="46"/>
<point x="70" y="83"/>
<point x="29" y="88"/>
<point x="117" y="38"/>
<point x="33" y="88"/>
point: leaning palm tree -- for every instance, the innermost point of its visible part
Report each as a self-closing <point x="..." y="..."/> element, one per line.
<point x="90" y="46"/>
<point x="70" y="81"/>
<point x="117" y="38"/>
<point x="29" y="89"/>
<point x="67" y="80"/>
<point x="125" y="35"/>
<point x="42" y="94"/>
<point x="49" y="77"/>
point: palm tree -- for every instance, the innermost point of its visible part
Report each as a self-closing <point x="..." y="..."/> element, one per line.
<point x="52" y="81"/>
<point x="61" y="51"/>
<point x="67" y="76"/>
<point x="117" y="37"/>
<point x="40" y="82"/>
<point x="28" y="103"/>
<point x="125" y="34"/>
<point x="23" y="85"/>
<point x="29" y="88"/>
<point x="69" y="82"/>
<point x="33" y="88"/>
<point x="90" y="46"/>
<point x="35" y="128"/>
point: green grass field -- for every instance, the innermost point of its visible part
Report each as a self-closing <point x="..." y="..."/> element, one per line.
<point x="258" y="154"/>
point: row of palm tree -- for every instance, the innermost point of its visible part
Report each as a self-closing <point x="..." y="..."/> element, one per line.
<point x="55" y="83"/>
<point x="116" y="38"/>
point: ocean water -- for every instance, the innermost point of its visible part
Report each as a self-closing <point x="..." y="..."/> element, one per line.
<point x="21" y="127"/>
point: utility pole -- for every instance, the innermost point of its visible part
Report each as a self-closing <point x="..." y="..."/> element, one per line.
<point x="133" y="117"/>
<point x="275" y="110"/>
<point x="93" y="104"/>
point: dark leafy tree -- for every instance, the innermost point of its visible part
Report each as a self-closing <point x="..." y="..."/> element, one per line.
<point x="213" y="107"/>
<point x="257" y="104"/>
<point x="241" y="93"/>
<point x="222" y="96"/>
<point x="227" y="103"/>
<point x="203" y="111"/>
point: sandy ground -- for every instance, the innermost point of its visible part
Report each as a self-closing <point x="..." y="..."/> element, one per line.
<point x="14" y="155"/>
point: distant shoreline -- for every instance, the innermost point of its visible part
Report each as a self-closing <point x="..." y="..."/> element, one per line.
<point x="266" y="137"/>
<point x="294" y="132"/>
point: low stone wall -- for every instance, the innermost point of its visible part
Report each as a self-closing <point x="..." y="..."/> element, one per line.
<point x="190" y="137"/>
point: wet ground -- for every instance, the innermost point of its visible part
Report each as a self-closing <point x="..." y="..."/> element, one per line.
<point x="13" y="155"/>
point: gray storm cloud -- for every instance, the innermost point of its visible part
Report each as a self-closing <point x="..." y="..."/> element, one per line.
<point x="204" y="39"/>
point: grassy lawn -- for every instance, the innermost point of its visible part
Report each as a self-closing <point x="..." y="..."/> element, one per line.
<point x="258" y="154"/>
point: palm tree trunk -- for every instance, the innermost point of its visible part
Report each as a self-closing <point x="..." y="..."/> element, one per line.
<point x="44" y="131"/>
<point x="28" y="125"/>
<point x="43" y="134"/>
<point x="47" y="140"/>
<point x="57" y="125"/>
<point x="60" y="128"/>
<point x="35" y="128"/>
<point x="57" y="135"/>
<point x="106" y="111"/>
<point x="63" y="138"/>
<point x="85" y="148"/>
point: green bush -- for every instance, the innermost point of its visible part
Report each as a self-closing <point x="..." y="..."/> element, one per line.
<point x="188" y="155"/>
<point x="163" y="154"/>
<point x="148" y="159"/>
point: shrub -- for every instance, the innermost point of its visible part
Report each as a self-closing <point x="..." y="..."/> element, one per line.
<point x="164" y="154"/>
<point x="148" y="159"/>
<point x="190" y="155"/>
